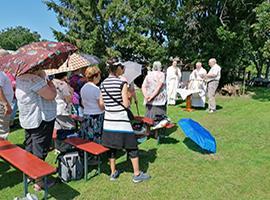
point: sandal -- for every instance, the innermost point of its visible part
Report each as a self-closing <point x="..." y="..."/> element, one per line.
<point x="39" y="185"/>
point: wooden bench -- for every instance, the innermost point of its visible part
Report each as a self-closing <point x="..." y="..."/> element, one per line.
<point x="149" y="123"/>
<point x="161" y="131"/>
<point x="87" y="147"/>
<point x="26" y="162"/>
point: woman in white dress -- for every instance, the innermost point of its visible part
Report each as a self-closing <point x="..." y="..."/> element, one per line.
<point x="197" y="83"/>
<point x="172" y="80"/>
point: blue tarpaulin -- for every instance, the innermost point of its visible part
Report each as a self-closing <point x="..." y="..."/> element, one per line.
<point x="198" y="134"/>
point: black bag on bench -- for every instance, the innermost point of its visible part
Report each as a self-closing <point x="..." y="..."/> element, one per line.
<point x="61" y="135"/>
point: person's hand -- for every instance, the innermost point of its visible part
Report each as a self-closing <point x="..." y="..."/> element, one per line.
<point x="50" y="84"/>
<point x="204" y="77"/>
<point x="149" y="98"/>
<point x="8" y="109"/>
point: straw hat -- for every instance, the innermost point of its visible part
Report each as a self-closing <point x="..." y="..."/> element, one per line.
<point x="3" y="52"/>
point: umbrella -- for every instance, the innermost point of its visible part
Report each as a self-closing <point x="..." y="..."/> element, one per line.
<point x="3" y="52"/>
<point x="198" y="134"/>
<point x="74" y="62"/>
<point x="38" y="55"/>
<point x="132" y="70"/>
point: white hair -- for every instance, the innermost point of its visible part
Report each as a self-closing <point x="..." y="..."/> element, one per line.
<point x="157" y="66"/>
<point x="213" y="60"/>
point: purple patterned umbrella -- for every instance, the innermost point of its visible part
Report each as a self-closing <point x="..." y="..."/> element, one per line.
<point x="38" y="55"/>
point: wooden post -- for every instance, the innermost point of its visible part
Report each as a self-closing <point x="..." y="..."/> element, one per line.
<point x="188" y="104"/>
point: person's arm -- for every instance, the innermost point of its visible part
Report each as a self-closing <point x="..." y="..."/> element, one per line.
<point x="125" y="95"/>
<point x="144" y="85"/>
<point x="68" y="93"/>
<point x="160" y="79"/>
<point x="8" y="109"/>
<point x="101" y="103"/>
<point x="48" y="92"/>
<point x="213" y="73"/>
<point x="154" y="94"/>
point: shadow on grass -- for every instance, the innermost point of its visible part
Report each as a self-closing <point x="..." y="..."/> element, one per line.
<point x="194" y="147"/>
<point x="165" y="136"/>
<point x="16" y="125"/>
<point x="9" y="178"/>
<point x="218" y="107"/>
<point x="63" y="191"/>
<point x="145" y="157"/>
<point x="260" y="93"/>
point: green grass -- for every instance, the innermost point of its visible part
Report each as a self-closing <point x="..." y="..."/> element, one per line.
<point x="180" y="170"/>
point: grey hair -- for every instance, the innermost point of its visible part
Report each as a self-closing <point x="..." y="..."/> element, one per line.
<point x="213" y="60"/>
<point x="157" y="66"/>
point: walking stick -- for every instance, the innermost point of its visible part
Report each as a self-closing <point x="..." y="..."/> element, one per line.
<point x="137" y="108"/>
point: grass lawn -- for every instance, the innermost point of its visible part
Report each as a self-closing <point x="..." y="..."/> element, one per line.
<point x="180" y="170"/>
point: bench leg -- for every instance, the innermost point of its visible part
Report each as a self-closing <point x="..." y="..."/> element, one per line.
<point x="25" y="185"/>
<point x="99" y="164"/>
<point x="45" y="188"/>
<point x="85" y="165"/>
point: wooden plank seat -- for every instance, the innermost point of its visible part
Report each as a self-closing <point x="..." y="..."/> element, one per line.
<point x="87" y="147"/>
<point x="150" y="122"/>
<point x="26" y="162"/>
<point x="159" y="133"/>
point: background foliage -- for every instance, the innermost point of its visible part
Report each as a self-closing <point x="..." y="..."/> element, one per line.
<point x="14" y="38"/>
<point x="235" y="32"/>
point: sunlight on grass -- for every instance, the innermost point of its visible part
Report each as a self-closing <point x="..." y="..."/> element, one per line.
<point x="179" y="170"/>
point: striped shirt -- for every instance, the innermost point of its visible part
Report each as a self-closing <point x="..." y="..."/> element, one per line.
<point x="116" y="119"/>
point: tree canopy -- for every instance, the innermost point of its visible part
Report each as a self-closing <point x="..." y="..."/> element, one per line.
<point x="235" y="32"/>
<point x="14" y="38"/>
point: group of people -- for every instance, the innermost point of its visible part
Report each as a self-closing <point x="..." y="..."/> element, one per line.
<point x="46" y="104"/>
<point x="160" y="89"/>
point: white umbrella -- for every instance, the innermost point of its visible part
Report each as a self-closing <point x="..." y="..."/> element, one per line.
<point x="132" y="71"/>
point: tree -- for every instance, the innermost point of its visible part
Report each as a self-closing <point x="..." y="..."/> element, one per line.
<point x="14" y="38"/>
<point x="158" y="29"/>
<point x="84" y="21"/>
<point x="261" y="30"/>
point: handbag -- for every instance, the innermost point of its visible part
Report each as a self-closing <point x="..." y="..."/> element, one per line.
<point x="129" y="112"/>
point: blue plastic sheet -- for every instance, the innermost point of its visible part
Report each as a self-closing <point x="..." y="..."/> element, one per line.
<point x="198" y="134"/>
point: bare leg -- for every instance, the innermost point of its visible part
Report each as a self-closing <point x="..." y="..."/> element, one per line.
<point x="135" y="165"/>
<point x="112" y="165"/>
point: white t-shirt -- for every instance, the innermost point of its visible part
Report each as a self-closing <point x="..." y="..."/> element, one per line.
<point x="216" y="71"/>
<point x="6" y="86"/>
<point x="63" y="91"/>
<point x="33" y="109"/>
<point x="90" y="95"/>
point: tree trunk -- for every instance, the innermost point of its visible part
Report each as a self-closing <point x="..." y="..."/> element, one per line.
<point x="267" y="70"/>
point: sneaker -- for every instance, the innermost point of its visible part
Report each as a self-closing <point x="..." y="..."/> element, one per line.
<point x="115" y="175"/>
<point x="142" y="139"/>
<point x="211" y="111"/>
<point x="141" y="177"/>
